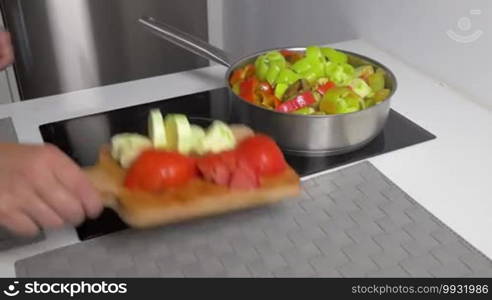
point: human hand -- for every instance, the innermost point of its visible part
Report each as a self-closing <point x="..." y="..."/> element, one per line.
<point x="6" y="50"/>
<point x="40" y="187"/>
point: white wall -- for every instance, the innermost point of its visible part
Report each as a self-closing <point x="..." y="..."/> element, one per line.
<point x="413" y="30"/>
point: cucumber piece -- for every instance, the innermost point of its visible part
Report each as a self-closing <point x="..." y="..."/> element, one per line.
<point x="178" y="132"/>
<point x="156" y="128"/>
<point x="126" y="147"/>
<point x="198" y="134"/>
<point x="219" y="137"/>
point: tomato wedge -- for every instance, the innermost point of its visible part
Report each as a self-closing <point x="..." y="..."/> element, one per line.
<point x="262" y="154"/>
<point x="156" y="170"/>
<point x="226" y="169"/>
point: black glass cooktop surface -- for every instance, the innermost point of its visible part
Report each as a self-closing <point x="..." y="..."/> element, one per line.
<point x="82" y="137"/>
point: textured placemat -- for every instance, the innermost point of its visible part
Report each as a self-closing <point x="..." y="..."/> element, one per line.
<point x="349" y="223"/>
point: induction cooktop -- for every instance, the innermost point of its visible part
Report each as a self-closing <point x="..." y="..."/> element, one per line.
<point x="82" y="137"/>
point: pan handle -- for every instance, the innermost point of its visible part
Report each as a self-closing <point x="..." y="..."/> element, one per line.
<point x="185" y="40"/>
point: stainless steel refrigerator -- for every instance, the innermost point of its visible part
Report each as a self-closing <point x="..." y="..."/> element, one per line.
<point x="66" y="45"/>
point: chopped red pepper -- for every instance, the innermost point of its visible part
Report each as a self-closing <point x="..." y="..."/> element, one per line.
<point x="288" y="52"/>
<point x="291" y="56"/>
<point x="276" y="102"/>
<point x="300" y="101"/>
<point x="249" y="70"/>
<point x="241" y="74"/>
<point x="247" y="89"/>
<point x="325" y="87"/>
<point x="236" y="76"/>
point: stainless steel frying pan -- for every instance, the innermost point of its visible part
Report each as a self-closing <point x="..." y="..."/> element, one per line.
<point x="310" y="135"/>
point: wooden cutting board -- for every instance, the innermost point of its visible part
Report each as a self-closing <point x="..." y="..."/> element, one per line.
<point x="196" y="199"/>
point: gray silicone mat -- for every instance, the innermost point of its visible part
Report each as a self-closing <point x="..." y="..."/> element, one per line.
<point x="349" y="223"/>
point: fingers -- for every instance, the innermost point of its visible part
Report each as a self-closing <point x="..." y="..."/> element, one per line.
<point x="77" y="183"/>
<point x="12" y="217"/>
<point x="41" y="186"/>
<point x="60" y="200"/>
<point x="6" y="50"/>
<point x="40" y="212"/>
<point x="20" y="224"/>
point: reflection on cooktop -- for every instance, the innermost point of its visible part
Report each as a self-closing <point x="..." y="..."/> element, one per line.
<point x="82" y="137"/>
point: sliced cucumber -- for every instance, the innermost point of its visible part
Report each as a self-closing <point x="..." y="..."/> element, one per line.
<point x="219" y="137"/>
<point x="126" y="147"/>
<point x="178" y="132"/>
<point x="157" y="130"/>
<point x="198" y="134"/>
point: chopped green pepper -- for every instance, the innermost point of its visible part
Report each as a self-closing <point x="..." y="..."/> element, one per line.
<point x="378" y="97"/>
<point x="381" y="95"/>
<point x="340" y="100"/>
<point x="302" y="65"/>
<point x="310" y="67"/>
<point x="280" y="89"/>
<point x="334" y="55"/>
<point x="273" y="72"/>
<point x="376" y="81"/>
<point x="275" y="56"/>
<point x="364" y="71"/>
<point x="314" y="53"/>
<point x="318" y="70"/>
<point x="369" y="102"/>
<point x="287" y="76"/>
<point x="261" y="67"/>
<point x="266" y="62"/>
<point x="341" y="74"/>
<point x="380" y="71"/>
<point x="360" y="87"/>
<point x="304" y="111"/>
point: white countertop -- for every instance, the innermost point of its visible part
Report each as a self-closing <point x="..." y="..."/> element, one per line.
<point x="450" y="176"/>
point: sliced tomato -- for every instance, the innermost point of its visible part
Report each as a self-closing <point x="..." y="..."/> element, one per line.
<point x="262" y="154"/>
<point x="244" y="177"/>
<point x="218" y="167"/>
<point x="155" y="170"/>
<point x="228" y="158"/>
<point x="225" y="169"/>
